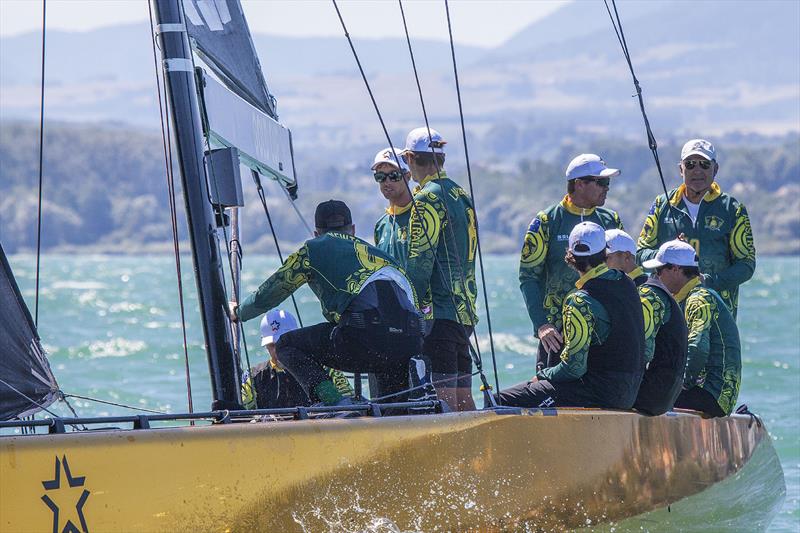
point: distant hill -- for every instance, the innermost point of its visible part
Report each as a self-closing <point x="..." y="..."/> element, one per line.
<point x="105" y="190"/>
<point x="710" y="67"/>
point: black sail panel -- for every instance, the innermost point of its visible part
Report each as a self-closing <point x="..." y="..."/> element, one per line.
<point x="26" y="382"/>
<point x="219" y="33"/>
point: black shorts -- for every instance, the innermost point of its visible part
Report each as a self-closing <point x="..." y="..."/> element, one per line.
<point x="447" y="347"/>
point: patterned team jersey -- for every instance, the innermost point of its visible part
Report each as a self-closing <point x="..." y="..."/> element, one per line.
<point x="544" y="277"/>
<point x="335" y="265"/>
<point x="721" y="236"/>
<point x="714" y="361"/>
<point x="391" y="233"/>
<point x="656" y="310"/>
<point x="250" y="394"/>
<point x="586" y="323"/>
<point x="441" y="249"/>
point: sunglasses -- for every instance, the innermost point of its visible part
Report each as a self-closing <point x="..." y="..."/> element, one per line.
<point x="689" y="164"/>
<point x="394" y="175"/>
<point x="602" y="182"/>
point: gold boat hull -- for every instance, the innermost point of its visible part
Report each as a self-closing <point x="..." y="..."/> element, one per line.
<point x="563" y="470"/>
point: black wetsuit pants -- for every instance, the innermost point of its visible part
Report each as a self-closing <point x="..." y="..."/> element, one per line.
<point x="304" y="351"/>
<point x="699" y="399"/>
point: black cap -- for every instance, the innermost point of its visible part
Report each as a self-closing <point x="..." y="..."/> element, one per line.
<point x="332" y="214"/>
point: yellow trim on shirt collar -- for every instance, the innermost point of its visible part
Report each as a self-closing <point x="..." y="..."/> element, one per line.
<point x="599" y="270"/>
<point x="684" y="292"/>
<point x="636" y="272"/>
<point x="395" y="210"/>
<point x="435" y="176"/>
<point x="711" y="195"/>
<point x="567" y="204"/>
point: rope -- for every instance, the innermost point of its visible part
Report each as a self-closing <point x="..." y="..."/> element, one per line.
<point x="170" y="177"/>
<point x="297" y="211"/>
<point x="472" y="194"/>
<point x="115" y="404"/>
<point x="263" y="197"/>
<point x="475" y="352"/>
<point x="411" y="389"/>
<point x="42" y="407"/>
<point x="41" y="165"/>
<point x="651" y="139"/>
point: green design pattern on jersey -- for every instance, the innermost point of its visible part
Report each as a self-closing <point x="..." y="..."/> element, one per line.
<point x="586" y="323"/>
<point x="544" y="277"/>
<point x="334" y="265"/>
<point x="714" y="361"/>
<point x="441" y="250"/>
<point x="721" y="236"/>
<point x="656" y="310"/>
<point x="391" y="233"/>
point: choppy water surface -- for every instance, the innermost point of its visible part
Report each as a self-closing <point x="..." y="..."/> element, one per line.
<point x="112" y="328"/>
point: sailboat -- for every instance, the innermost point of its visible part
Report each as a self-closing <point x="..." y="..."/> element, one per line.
<point x="495" y="469"/>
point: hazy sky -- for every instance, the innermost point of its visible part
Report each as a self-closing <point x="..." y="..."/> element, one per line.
<point x="477" y="22"/>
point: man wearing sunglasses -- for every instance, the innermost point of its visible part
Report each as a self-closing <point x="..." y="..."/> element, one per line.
<point x="714" y="223"/>
<point x="544" y="277"/>
<point x="391" y="230"/>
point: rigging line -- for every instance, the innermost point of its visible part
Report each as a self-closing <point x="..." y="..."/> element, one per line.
<point x="299" y="214"/>
<point x="39" y="405"/>
<point x="651" y="139"/>
<point x="473" y="353"/>
<point x="263" y="197"/>
<point x="41" y="165"/>
<point x="170" y="177"/>
<point x="115" y="404"/>
<point x="418" y="387"/>
<point x="476" y="349"/>
<point x="472" y="194"/>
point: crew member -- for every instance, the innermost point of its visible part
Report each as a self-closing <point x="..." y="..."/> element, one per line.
<point x="267" y="385"/>
<point x="391" y="230"/>
<point x="621" y="254"/>
<point x="373" y="324"/>
<point x="714" y="366"/>
<point x="602" y="361"/>
<point x="441" y="265"/>
<point x="665" y="337"/>
<point x="715" y="223"/>
<point x="544" y="277"/>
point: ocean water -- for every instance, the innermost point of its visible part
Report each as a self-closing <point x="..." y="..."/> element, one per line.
<point x="112" y="328"/>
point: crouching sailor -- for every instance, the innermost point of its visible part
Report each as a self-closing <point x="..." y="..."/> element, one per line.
<point x="602" y="361"/>
<point x="372" y="320"/>
<point x="267" y="385"/>
<point x="713" y="366"/>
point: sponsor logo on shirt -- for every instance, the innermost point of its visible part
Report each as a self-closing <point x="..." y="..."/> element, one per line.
<point x="535" y="225"/>
<point x="714" y="223"/>
<point x="562" y="237"/>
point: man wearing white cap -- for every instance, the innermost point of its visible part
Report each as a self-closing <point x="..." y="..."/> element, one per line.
<point x="621" y="254"/>
<point x="602" y="361"/>
<point x="715" y="223"/>
<point x="544" y="278"/>
<point x="267" y="385"/>
<point x="391" y="230"/>
<point x="713" y="366"/>
<point x="441" y="265"/>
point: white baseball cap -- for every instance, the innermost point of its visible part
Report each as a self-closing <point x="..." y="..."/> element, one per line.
<point x="674" y="252"/>
<point x="619" y="241"/>
<point x="274" y="324"/>
<point x="699" y="147"/>
<point x="589" y="165"/>
<point x="386" y="156"/>
<point x="418" y="141"/>
<point x="587" y="238"/>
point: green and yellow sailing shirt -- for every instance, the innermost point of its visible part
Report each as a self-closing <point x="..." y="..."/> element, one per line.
<point x="714" y="361"/>
<point x="586" y="323"/>
<point x="250" y="392"/>
<point x="544" y="277"/>
<point x="391" y="233"/>
<point x="656" y="309"/>
<point x="441" y="250"/>
<point x="336" y="267"/>
<point x="721" y="236"/>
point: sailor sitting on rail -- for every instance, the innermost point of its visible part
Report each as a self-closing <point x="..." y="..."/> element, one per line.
<point x="373" y="322"/>
<point x="267" y="385"/>
<point x="603" y="357"/>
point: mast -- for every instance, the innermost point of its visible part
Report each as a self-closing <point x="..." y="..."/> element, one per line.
<point x="183" y="103"/>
